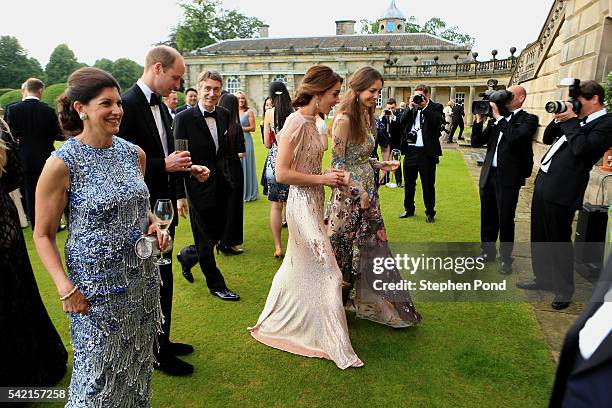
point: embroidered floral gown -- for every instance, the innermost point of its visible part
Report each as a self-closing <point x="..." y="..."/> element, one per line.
<point x="358" y="236"/>
<point x="303" y="313"/>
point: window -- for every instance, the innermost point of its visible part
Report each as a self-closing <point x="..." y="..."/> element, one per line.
<point x="379" y="100"/>
<point x="427" y="67"/>
<point x="233" y="85"/>
<point x="460" y="98"/>
<point x="280" y="77"/>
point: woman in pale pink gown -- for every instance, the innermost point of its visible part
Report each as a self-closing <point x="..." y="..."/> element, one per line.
<point x="304" y="313"/>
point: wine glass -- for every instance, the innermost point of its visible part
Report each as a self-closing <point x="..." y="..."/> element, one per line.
<point x="396" y="155"/>
<point x="181" y="145"/>
<point x="164" y="213"/>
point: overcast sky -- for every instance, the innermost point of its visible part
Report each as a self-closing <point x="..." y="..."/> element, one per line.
<point x="126" y="28"/>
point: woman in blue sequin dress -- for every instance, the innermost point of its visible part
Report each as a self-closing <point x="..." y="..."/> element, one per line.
<point x="111" y="295"/>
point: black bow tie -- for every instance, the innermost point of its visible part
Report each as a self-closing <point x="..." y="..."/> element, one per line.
<point x="154" y="99"/>
<point x="208" y="114"/>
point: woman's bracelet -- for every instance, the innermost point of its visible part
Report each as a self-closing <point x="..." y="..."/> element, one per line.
<point x="67" y="295"/>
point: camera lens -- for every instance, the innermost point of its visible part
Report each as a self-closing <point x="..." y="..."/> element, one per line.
<point x="555" y="107"/>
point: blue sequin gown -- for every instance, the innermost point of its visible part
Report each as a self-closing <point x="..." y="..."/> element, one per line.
<point x="113" y="343"/>
<point x="251" y="188"/>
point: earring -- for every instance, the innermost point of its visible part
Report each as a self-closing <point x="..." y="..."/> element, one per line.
<point x="83" y="116"/>
<point x="317" y="103"/>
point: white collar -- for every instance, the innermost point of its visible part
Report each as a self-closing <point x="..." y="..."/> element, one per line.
<point x="145" y="89"/>
<point x="596" y="115"/>
<point x="203" y="109"/>
<point x="31" y="97"/>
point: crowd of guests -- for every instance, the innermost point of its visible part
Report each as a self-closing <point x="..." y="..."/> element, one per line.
<point x="121" y="154"/>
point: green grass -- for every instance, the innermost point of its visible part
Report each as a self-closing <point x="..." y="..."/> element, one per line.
<point x="463" y="354"/>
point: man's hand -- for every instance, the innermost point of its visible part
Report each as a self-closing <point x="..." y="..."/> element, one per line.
<point x="567" y="115"/>
<point x="182" y="208"/>
<point x="201" y="173"/>
<point x="479" y="118"/>
<point x="495" y="111"/>
<point x="178" y="161"/>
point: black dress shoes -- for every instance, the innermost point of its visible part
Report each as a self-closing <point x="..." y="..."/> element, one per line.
<point x="186" y="270"/>
<point x="531" y="285"/>
<point x="430" y="219"/>
<point x="485" y="256"/>
<point x="225" y="294"/>
<point x="173" y="366"/>
<point x="506" y="268"/>
<point x="406" y="214"/>
<point x="227" y="250"/>
<point x="560" y="303"/>
<point x="179" y="349"/>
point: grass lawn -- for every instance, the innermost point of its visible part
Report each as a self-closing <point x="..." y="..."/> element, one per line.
<point x="463" y="354"/>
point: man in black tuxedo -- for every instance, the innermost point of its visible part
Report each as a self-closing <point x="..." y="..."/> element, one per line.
<point x="585" y="364"/>
<point x="421" y="148"/>
<point x="191" y="100"/>
<point x="578" y="142"/>
<point x="147" y="123"/>
<point x="205" y="128"/>
<point x="508" y="163"/>
<point x="35" y="126"/>
<point x="457" y="121"/>
<point x="390" y="118"/>
<point x="171" y="101"/>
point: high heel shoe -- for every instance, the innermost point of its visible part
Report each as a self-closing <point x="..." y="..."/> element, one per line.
<point x="229" y="250"/>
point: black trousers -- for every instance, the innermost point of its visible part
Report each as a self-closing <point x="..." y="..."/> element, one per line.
<point x="417" y="163"/>
<point x="30" y="180"/>
<point x="165" y="298"/>
<point x="497" y="212"/>
<point x="552" y="252"/>
<point x="206" y="227"/>
<point x="454" y="127"/>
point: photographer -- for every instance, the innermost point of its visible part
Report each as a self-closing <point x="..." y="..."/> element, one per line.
<point x="457" y="116"/>
<point x="390" y="118"/>
<point x="421" y="148"/>
<point x="579" y="136"/>
<point x="508" y="163"/>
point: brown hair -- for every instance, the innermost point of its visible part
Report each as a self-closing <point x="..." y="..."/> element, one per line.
<point x="360" y="81"/>
<point x="33" y="85"/>
<point x="3" y="129"/>
<point x="84" y="84"/>
<point x="590" y="88"/>
<point x="318" y="80"/>
<point x="163" y="54"/>
<point x="214" y="75"/>
<point x="426" y="89"/>
<point x="246" y="101"/>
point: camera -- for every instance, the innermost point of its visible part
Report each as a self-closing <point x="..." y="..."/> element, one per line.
<point x="411" y="137"/>
<point x="574" y="93"/>
<point x="387" y="112"/>
<point x="418" y="99"/>
<point x="500" y="97"/>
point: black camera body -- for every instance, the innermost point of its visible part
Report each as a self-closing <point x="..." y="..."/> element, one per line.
<point x="387" y="112"/>
<point x="411" y="137"/>
<point x="500" y="97"/>
<point x="418" y="99"/>
<point x="574" y="93"/>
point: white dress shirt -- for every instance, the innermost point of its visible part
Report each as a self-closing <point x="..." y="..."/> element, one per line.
<point x="596" y="329"/>
<point x="212" y="125"/>
<point x="549" y="156"/>
<point x="416" y="126"/>
<point x="31" y="97"/>
<point x="156" y="115"/>
<point x="508" y="118"/>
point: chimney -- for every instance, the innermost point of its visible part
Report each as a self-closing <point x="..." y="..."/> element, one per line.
<point x="345" y="27"/>
<point x="263" y="31"/>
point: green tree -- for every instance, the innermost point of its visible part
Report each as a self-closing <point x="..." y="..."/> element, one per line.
<point x="15" y="66"/>
<point x="104" y="63"/>
<point x="62" y="63"/>
<point x="126" y="72"/>
<point x="10" y="97"/>
<point x="205" y="22"/>
<point x="433" y="26"/>
<point x="52" y="92"/>
<point x="608" y="88"/>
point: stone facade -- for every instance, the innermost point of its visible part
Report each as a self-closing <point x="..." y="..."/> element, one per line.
<point x="575" y="41"/>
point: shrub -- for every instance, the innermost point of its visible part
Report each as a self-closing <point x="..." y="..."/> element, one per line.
<point x="10" y="97"/>
<point x="5" y="90"/>
<point x="52" y="92"/>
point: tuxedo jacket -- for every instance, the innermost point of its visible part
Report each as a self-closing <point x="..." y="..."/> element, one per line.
<point x="35" y="126"/>
<point x="457" y="113"/>
<point x="138" y="126"/>
<point x="569" y="171"/>
<point x="182" y="108"/>
<point x="432" y="119"/>
<point x="586" y="384"/>
<point x="190" y="124"/>
<point x="515" y="151"/>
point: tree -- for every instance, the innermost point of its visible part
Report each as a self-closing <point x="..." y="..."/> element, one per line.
<point x="62" y="63"/>
<point x="434" y="26"/>
<point x="15" y="66"/>
<point x="126" y="72"/>
<point x="205" y="22"/>
<point x="608" y="87"/>
<point x="104" y="63"/>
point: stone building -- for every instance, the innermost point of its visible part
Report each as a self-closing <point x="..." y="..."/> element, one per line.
<point x="405" y="59"/>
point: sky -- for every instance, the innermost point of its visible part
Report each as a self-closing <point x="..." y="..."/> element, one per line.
<point x="127" y="28"/>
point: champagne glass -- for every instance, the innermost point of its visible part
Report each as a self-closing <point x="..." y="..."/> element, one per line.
<point x="181" y="145"/>
<point x="396" y="155"/>
<point x="164" y="213"/>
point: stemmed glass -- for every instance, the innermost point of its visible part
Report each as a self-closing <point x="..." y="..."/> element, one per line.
<point x="396" y="155"/>
<point x="164" y="213"/>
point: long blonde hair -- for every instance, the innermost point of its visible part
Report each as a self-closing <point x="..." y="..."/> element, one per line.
<point x="360" y="81"/>
<point x="3" y="129"/>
